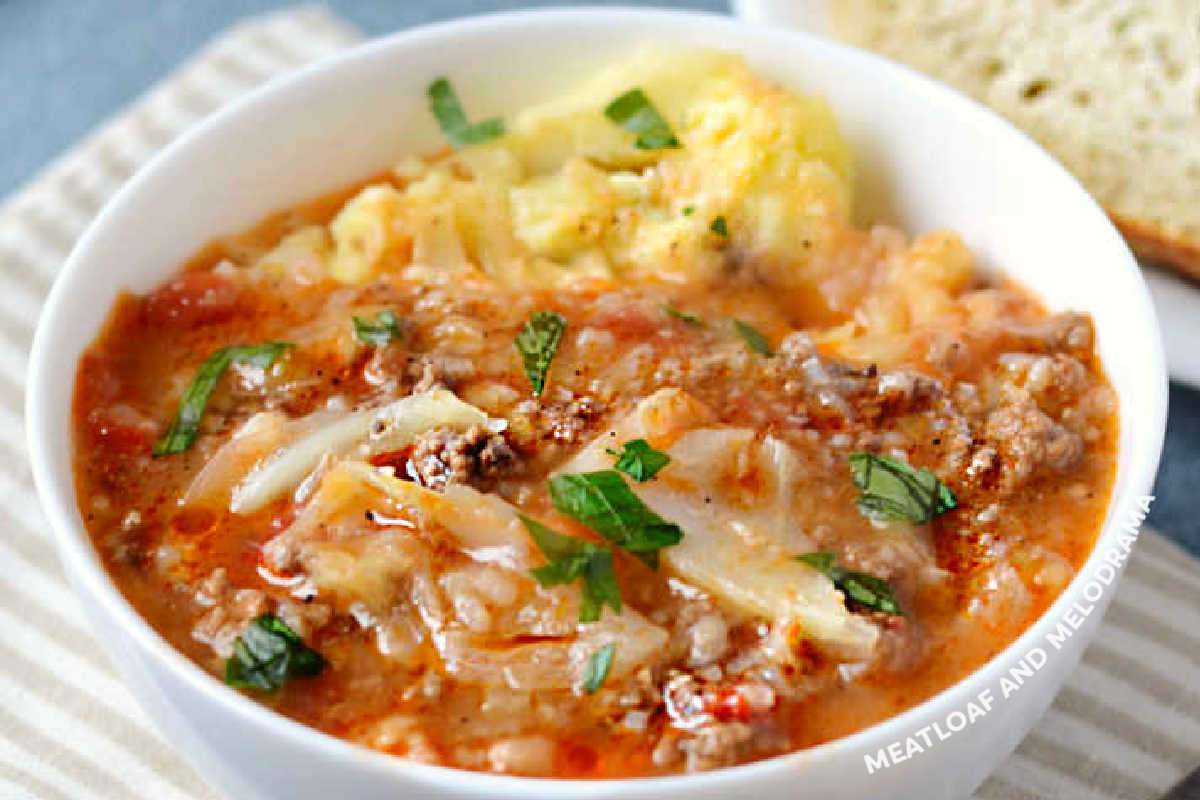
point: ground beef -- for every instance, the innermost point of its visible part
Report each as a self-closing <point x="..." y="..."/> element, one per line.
<point x="901" y="645"/>
<point x="830" y="383"/>
<point x="796" y="348"/>
<point x="1021" y="440"/>
<point x="906" y="388"/>
<point x="714" y="725"/>
<point x="304" y="618"/>
<point x="884" y="556"/>
<point x="956" y="352"/>
<point x="683" y="698"/>
<point x="708" y="639"/>
<point x="442" y="457"/>
<point x="213" y="588"/>
<point x="565" y="419"/>
<point x="1055" y="381"/>
<point x="431" y="371"/>
<point x="1071" y="331"/>
<point x="691" y="703"/>
<point x="718" y="744"/>
<point x="230" y="611"/>
<point x="845" y="393"/>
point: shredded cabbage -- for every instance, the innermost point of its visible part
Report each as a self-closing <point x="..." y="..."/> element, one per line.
<point x="361" y="434"/>
<point x="484" y="526"/>
<point x="739" y="549"/>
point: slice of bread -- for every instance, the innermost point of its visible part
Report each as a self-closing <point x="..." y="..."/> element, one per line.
<point x="1111" y="87"/>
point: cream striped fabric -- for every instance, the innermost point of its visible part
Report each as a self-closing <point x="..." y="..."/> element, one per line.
<point x="1127" y="725"/>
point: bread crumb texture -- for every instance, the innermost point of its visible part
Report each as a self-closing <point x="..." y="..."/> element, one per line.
<point x="1111" y="87"/>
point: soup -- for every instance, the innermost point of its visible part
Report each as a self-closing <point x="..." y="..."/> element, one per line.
<point x="601" y="444"/>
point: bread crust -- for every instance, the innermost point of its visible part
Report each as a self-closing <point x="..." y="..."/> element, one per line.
<point x="1156" y="245"/>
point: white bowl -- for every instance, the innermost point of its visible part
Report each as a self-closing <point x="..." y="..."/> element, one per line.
<point x="928" y="157"/>
<point x="807" y="15"/>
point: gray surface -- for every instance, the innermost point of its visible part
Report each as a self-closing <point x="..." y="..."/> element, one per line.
<point x="65" y="65"/>
<point x="1178" y="486"/>
<point x="1187" y="789"/>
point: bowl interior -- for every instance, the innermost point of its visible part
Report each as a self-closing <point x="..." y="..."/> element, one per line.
<point x="926" y="158"/>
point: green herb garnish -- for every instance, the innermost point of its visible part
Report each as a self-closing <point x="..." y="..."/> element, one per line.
<point x="682" y="316"/>
<point x="574" y="559"/>
<point x="892" y="490"/>
<point x="605" y="503"/>
<point x="639" y="460"/>
<point x="538" y="342"/>
<point x="268" y="653"/>
<point x="181" y="433"/>
<point x="860" y="589"/>
<point x="753" y="339"/>
<point x="689" y="210"/>
<point x="598" y="665"/>
<point x="451" y="118"/>
<point x="719" y="227"/>
<point x="634" y="112"/>
<point x="384" y="329"/>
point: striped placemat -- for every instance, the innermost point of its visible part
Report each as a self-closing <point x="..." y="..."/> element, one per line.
<point x="1126" y="726"/>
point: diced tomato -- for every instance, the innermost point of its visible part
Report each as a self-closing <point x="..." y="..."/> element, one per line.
<point x="396" y="459"/>
<point x="194" y="523"/>
<point x="630" y="323"/>
<point x="97" y="381"/>
<point x="121" y="439"/>
<point x="194" y="298"/>
<point x="729" y="704"/>
<point x="120" y="430"/>
<point x="580" y="758"/>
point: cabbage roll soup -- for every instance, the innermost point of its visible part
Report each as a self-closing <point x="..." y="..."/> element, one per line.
<point x="599" y="443"/>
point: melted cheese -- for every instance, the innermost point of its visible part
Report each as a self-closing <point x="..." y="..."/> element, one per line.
<point x="566" y="196"/>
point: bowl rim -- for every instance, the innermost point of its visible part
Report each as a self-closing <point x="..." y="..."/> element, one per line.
<point x="82" y="564"/>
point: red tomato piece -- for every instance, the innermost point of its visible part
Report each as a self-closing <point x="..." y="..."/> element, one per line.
<point x="194" y="298"/>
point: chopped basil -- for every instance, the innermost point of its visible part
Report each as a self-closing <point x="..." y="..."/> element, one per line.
<point x="719" y="227"/>
<point x="598" y="665"/>
<point x="860" y="589"/>
<point x="574" y="559"/>
<point x="268" y="653"/>
<point x="639" y="460"/>
<point x="181" y="433"/>
<point x="682" y="316"/>
<point x="892" y="490"/>
<point x="451" y="118"/>
<point x="689" y="210"/>
<point x="754" y="340"/>
<point x="384" y="329"/>
<point x="538" y="342"/>
<point x="605" y="503"/>
<point x="634" y="112"/>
